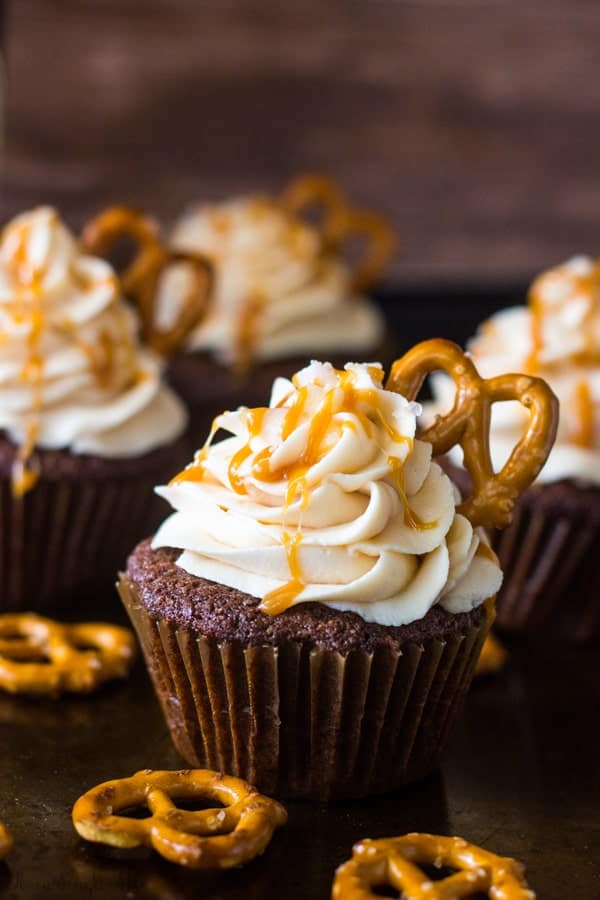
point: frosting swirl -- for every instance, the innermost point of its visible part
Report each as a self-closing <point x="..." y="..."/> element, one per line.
<point x="327" y="496"/>
<point x="72" y="372"/>
<point x="278" y="292"/>
<point x="557" y="336"/>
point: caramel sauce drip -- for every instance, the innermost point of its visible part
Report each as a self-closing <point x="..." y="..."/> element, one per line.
<point x="588" y="286"/>
<point x="195" y="472"/>
<point x="28" y="307"/>
<point x="583" y="435"/>
<point x="282" y="598"/>
<point x="411" y="519"/>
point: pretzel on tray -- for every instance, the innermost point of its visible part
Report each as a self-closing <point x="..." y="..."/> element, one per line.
<point x="341" y="223"/>
<point x="6" y="841"/>
<point x="468" y="423"/>
<point x="141" y="278"/>
<point x="40" y="656"/>
<point x="394" y="862"/>
<point x="205" y="839"/>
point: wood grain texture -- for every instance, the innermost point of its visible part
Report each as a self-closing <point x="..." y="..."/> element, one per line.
<point x="475" y="124"/>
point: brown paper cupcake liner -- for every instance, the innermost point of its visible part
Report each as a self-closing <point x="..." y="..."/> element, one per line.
<point x="62" y="537"/>
<point x="307" y="723"/>
<point x="550" y="555"/>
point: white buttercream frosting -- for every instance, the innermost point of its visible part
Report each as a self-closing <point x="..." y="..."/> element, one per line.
<point x="273" y="282"/>
<point x="327" y="496"/>
<point x="72" y="372"/>
<point x="557" y="336"/>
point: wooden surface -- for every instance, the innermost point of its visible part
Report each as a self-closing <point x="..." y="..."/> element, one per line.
<point x="474" y="123"/>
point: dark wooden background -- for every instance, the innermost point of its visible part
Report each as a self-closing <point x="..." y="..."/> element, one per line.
<point x="474" y="123"/>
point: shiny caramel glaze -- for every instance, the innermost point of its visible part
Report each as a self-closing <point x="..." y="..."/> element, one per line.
<point x="221" y="838"/>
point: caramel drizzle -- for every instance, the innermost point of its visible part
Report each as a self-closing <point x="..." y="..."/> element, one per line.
<point x="584" y="285"/>
<point x="588" y="286"/>
<point x="583" y="435"/>
<point x="343" y="397"/>
<point x="28" y="307"/>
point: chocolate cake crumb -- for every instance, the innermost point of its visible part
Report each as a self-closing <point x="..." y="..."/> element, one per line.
<point x="63" y="464"/>
<point x="226" y="614"/>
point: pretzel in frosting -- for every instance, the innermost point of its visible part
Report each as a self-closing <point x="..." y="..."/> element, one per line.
<point x="6" y="841"/>
<point x="140" y="279"/>
<point x="206" y="839"/>
<point x="40" y="656"/>
<point x="492" y="658"/>
<point x="394" y="862"/>
<point x="341" y="223"/>
<point x="468" y="424"/>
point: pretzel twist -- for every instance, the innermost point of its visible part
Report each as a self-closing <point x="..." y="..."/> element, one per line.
<point x="207" y="839"/>
<point x="341" y="223"/>
<point x="40" y="656"/>
<point x="140" y="279"/>
<point x="395" y="862"/>
<point x="6" y="841"/>
<point x="468" y="424"/>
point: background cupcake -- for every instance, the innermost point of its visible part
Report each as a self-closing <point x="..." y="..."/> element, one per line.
<point x="283" y="292"/>
<point x="86" y="423"/>
<point x="549" y="553"/>
<point x="312" y="611"/>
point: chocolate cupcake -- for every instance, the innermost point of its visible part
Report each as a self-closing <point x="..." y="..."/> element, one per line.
<point x="283" y="293"/>
<point x="549" y="552"/>
<point x="86" y="422"/>
<point x="312" y="612"/>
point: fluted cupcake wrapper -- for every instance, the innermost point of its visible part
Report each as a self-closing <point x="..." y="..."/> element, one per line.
<point x="550" y="555"/>
<point x="307" y="723"/>
<point x="68" y="536"/>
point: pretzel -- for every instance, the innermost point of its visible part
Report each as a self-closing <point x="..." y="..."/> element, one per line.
<point x="6" y="841"/>
<point x="40" y="656"/>
<point x="468" y="423"/>
<point x="394" y="862"/>
<point x="206" y="839"/>
<point x="492" y="658"/>
<point x="340" y="223"/>
<point x="140" y="279"/>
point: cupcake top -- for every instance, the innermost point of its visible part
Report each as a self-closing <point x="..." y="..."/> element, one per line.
<point x="326" y="495"/>
<point x="556" y="336"/>
<point x="72" y="371"/>
<point x="281" y="288"/>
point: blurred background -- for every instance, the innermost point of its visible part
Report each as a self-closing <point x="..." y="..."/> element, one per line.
<point x="474" y="124"/>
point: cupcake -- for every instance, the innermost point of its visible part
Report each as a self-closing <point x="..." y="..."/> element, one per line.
<point x="86" y="423"/>
<point x="312" y="611"/>
<point x="549" y="552"/>
<point x="283" y="292"/>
